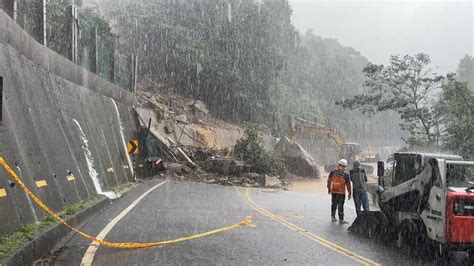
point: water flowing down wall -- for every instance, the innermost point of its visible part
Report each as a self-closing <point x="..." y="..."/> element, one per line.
<point x="62" y="129"/>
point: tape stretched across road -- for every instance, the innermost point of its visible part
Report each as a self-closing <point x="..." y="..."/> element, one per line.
<point x="244" y="223"/>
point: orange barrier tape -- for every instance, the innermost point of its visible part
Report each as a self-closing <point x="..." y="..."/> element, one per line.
<point x="245" y="223"/>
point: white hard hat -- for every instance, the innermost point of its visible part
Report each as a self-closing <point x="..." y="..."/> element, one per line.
<point x="342" y="162"/>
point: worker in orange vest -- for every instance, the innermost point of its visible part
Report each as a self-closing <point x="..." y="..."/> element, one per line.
<point x="338" y="182"/>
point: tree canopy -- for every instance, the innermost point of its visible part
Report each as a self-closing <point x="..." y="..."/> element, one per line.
<point x="406" y="86"/>
<point x="458" y="108"/>
<point x="465" y="72"/>
<point x="437" y="111"/>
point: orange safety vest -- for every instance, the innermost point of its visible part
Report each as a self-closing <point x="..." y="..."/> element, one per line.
<point x="338" y="181"/>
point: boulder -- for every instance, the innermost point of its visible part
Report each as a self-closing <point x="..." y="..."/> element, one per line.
<point x="200" y="106"/>
<point x="254" y="178"/>
<point x="272" y="182"/>
<point x="176" y="168"/>
<point x="211" y="181"/>
<point x="182" y="119"/>
<point x="226" y="166"/>
<point x="206" y="137"/>
<point x="297" y="161"/>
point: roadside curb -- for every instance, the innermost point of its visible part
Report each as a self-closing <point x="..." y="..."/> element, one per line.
<point x="45" y="241"/>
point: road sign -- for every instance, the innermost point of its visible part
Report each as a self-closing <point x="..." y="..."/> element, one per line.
<point x="133" y="147"/>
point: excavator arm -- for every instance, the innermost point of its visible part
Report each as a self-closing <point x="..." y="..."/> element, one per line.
<point x="298" y="123"/>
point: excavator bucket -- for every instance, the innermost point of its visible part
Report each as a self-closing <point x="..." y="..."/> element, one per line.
<point x="372" y="224"/>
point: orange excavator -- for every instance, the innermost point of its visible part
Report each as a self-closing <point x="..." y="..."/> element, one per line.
<point x="348" y="151"/>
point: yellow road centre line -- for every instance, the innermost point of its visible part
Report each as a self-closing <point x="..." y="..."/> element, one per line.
<point x="90" y="253"/>
<point x="326" y="243"/>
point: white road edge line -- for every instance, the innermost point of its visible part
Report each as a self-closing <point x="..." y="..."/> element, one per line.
<point x="90" y="253"/>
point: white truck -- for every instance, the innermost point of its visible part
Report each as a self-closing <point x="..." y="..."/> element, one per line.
<point x="425" y="200"/>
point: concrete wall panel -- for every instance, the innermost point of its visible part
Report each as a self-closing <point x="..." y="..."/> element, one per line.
<point x="58" y="119"/>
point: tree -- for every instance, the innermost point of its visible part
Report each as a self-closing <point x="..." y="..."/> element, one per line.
<point x="230" y="51"/>
<point x="243" y="58"/>
<point x="458" y="107"/>
<point x="58" y="18"/>
<point x="250" y="150"/>
<point x="465" y="72"/>
<point x="407" y="87"/>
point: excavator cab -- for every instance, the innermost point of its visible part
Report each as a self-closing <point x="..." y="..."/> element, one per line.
<point x="351" y="152"/>
<point x="348" y="151"/>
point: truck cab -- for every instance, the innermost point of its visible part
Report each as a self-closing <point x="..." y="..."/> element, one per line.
<point x="459" y="204"/>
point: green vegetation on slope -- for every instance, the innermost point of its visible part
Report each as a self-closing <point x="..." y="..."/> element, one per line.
<point x="10" y="243"/>
<point x="433" y="120"/>
<point x="58" y="35"/>
<point x="246" y="61"/>
<point x="250" y="150"/>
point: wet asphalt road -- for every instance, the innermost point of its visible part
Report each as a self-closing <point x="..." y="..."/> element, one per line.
<point x="300" y="234"/>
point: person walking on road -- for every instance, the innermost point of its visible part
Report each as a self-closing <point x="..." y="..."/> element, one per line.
<point x="359" y="186"/>
<point x="338" y="182"/>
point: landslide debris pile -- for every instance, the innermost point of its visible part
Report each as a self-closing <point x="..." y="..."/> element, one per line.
<point x="183" y="172"/>
<point x="201" y="147"/>
<point x="174" y="108"/>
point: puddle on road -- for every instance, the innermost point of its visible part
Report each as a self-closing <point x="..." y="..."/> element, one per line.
<point x="318" y="186"/>
<point x="309" y="186"/>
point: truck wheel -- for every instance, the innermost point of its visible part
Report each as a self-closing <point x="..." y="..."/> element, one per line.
<point x="403" y="242"/>
<point x="411" y="237"/>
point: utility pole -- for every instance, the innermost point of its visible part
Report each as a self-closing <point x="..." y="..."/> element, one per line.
<point x="93" y="51"/>
<point x="42" y="23"/>
<point x="132" y="71"/>
<point x="229" y="12"/>
<point x="112" y="62"/>
<point x="135" y="74"/>
<point x="73" y="32"/>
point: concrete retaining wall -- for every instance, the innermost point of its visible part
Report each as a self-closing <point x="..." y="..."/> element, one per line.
<point x="57" y="119"/>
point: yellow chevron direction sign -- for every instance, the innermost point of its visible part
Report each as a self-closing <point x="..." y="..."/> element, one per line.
<point x="132" y="147"/>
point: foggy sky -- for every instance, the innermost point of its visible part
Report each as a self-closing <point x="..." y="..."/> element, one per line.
<point x="443" y="29"/>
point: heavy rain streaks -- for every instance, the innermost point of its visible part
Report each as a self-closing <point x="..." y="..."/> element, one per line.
<point x="260" y="131"/>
